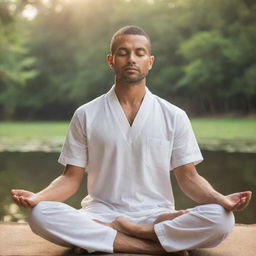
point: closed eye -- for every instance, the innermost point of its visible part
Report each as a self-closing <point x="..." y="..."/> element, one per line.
<point x="141" y="52"/>
<point x="122" y="52"/>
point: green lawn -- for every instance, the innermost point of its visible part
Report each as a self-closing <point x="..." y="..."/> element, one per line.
<point x="214" y="134"/>
<point x="33" y="130"/>
<point x="227" y="129"/>
<point x="32" y="136"/>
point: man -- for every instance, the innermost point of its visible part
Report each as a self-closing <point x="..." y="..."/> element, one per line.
<point x="127" y="141"/>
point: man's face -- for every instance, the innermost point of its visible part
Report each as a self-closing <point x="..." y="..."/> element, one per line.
<point x="131" y="58"/>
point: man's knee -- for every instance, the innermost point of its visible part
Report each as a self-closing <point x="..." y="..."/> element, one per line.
<point x="222" y="221"/>
<point x="226" y="220"/>
<point x="37" y="218"/>
<point x="42" y="221"/>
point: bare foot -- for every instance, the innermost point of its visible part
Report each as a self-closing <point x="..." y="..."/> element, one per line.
<point x="124" y="225"/>
<point x="120" y="224"/>
<point x="169" y="216"/>
<point x="144" y="231"/>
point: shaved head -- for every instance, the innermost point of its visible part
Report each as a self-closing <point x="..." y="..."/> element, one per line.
<point x="128" y="30"/>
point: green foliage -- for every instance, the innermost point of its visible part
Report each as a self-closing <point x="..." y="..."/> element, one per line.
<point x="204" y="50"/>
<point x="206" y="63"/>
<point x="16" y="66"/>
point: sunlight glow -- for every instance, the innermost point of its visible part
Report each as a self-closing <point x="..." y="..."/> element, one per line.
<point x="29" y="12"/>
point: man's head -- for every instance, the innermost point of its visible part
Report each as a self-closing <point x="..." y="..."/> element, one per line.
<point x="130" y="55"/>
<point x="128" y="30"/>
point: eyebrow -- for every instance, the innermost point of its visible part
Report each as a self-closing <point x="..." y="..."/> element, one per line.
<point x="141" y="49"/>
<point x="122" y="48"/>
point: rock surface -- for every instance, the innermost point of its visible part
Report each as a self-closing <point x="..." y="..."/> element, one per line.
<point x="17" y="239"/>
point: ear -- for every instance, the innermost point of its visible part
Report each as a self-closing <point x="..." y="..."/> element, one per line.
<point x="151" y="61"/>
<point x="110" y="60"/>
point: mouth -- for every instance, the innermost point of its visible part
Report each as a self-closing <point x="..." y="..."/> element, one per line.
<point x="131" y="69"/>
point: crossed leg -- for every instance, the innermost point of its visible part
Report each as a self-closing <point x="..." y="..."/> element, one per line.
<point x="142" y="231"/>
<point x="128" y="244"/>
<point x="201" y="227"/>
<point x="137" y="238"/>
<point x="66" y="226"/>
<point x="204" y="226"/>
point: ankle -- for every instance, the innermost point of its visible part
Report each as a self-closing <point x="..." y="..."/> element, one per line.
<point x="147" y="232"/>
<point x="144" y="229"/>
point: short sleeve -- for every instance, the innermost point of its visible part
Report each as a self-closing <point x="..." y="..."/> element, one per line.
<point x="185" y="147"/>
<point x="74" y="150"/>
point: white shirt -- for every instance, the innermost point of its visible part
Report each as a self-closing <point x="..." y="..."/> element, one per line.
<point x="128" y="166"/>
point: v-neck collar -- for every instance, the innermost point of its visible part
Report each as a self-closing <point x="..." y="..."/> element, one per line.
<point x="130" y="132"/>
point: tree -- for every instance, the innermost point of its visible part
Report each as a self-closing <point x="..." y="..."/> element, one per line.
<point x="16" y="64"/>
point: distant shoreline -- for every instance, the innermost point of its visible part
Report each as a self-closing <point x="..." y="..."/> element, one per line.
<point x="214" y="134"/>
<point x="211" y="145"/>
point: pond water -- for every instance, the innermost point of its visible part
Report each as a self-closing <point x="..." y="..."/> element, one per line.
<point x="227" y="172"/>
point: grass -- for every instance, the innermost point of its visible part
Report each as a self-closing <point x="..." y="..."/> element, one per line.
<point x="238" y="134"/>
<point x="33" y="129"/>
<point x="32" y="136"/>
<point x="227" y="129"/>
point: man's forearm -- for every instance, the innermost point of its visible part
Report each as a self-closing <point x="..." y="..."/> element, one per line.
<point x="199" y="190"/>
<point x="196" y="187"/>
<point x="59" y="189"/>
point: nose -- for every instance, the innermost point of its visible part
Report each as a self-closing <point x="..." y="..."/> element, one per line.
<point x="131" y="58"/>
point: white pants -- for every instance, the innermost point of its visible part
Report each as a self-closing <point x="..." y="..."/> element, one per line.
<point x="204" y="226"/>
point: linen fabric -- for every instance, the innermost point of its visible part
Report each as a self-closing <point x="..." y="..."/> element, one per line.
<point x="128" y="165"/>
<point x="204" y="226"/>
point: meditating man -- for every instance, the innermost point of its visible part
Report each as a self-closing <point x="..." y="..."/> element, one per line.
<point x="128" y="140"/>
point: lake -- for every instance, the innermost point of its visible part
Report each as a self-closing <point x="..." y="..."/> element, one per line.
<point x="227" y="172"/>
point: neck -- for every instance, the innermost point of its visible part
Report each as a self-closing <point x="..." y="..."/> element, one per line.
<point x="130" y="94"/>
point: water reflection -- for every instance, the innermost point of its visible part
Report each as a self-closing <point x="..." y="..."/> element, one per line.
<point x="227" y="172"/>
<point x="13" y="213"/>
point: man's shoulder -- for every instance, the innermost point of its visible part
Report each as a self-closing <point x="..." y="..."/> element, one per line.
<point x="169" y="107"/>
<point x="173" y="114"/>
<point x="91" y="105"/>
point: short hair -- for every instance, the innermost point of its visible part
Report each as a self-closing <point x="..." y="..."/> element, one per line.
<point x="128" y="30"/>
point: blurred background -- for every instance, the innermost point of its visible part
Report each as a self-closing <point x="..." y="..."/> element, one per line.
<point x="53" y="59"/>
<point x="53" y="54"/>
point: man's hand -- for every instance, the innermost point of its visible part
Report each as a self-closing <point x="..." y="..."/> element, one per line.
<point x="24" y="198"/>
<point x="59" y="190"/>
<point x="237" y="201"/>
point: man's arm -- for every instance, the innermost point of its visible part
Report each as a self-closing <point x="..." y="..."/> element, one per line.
<point x="59" y="189"/>
<point x="198" y="189"/>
